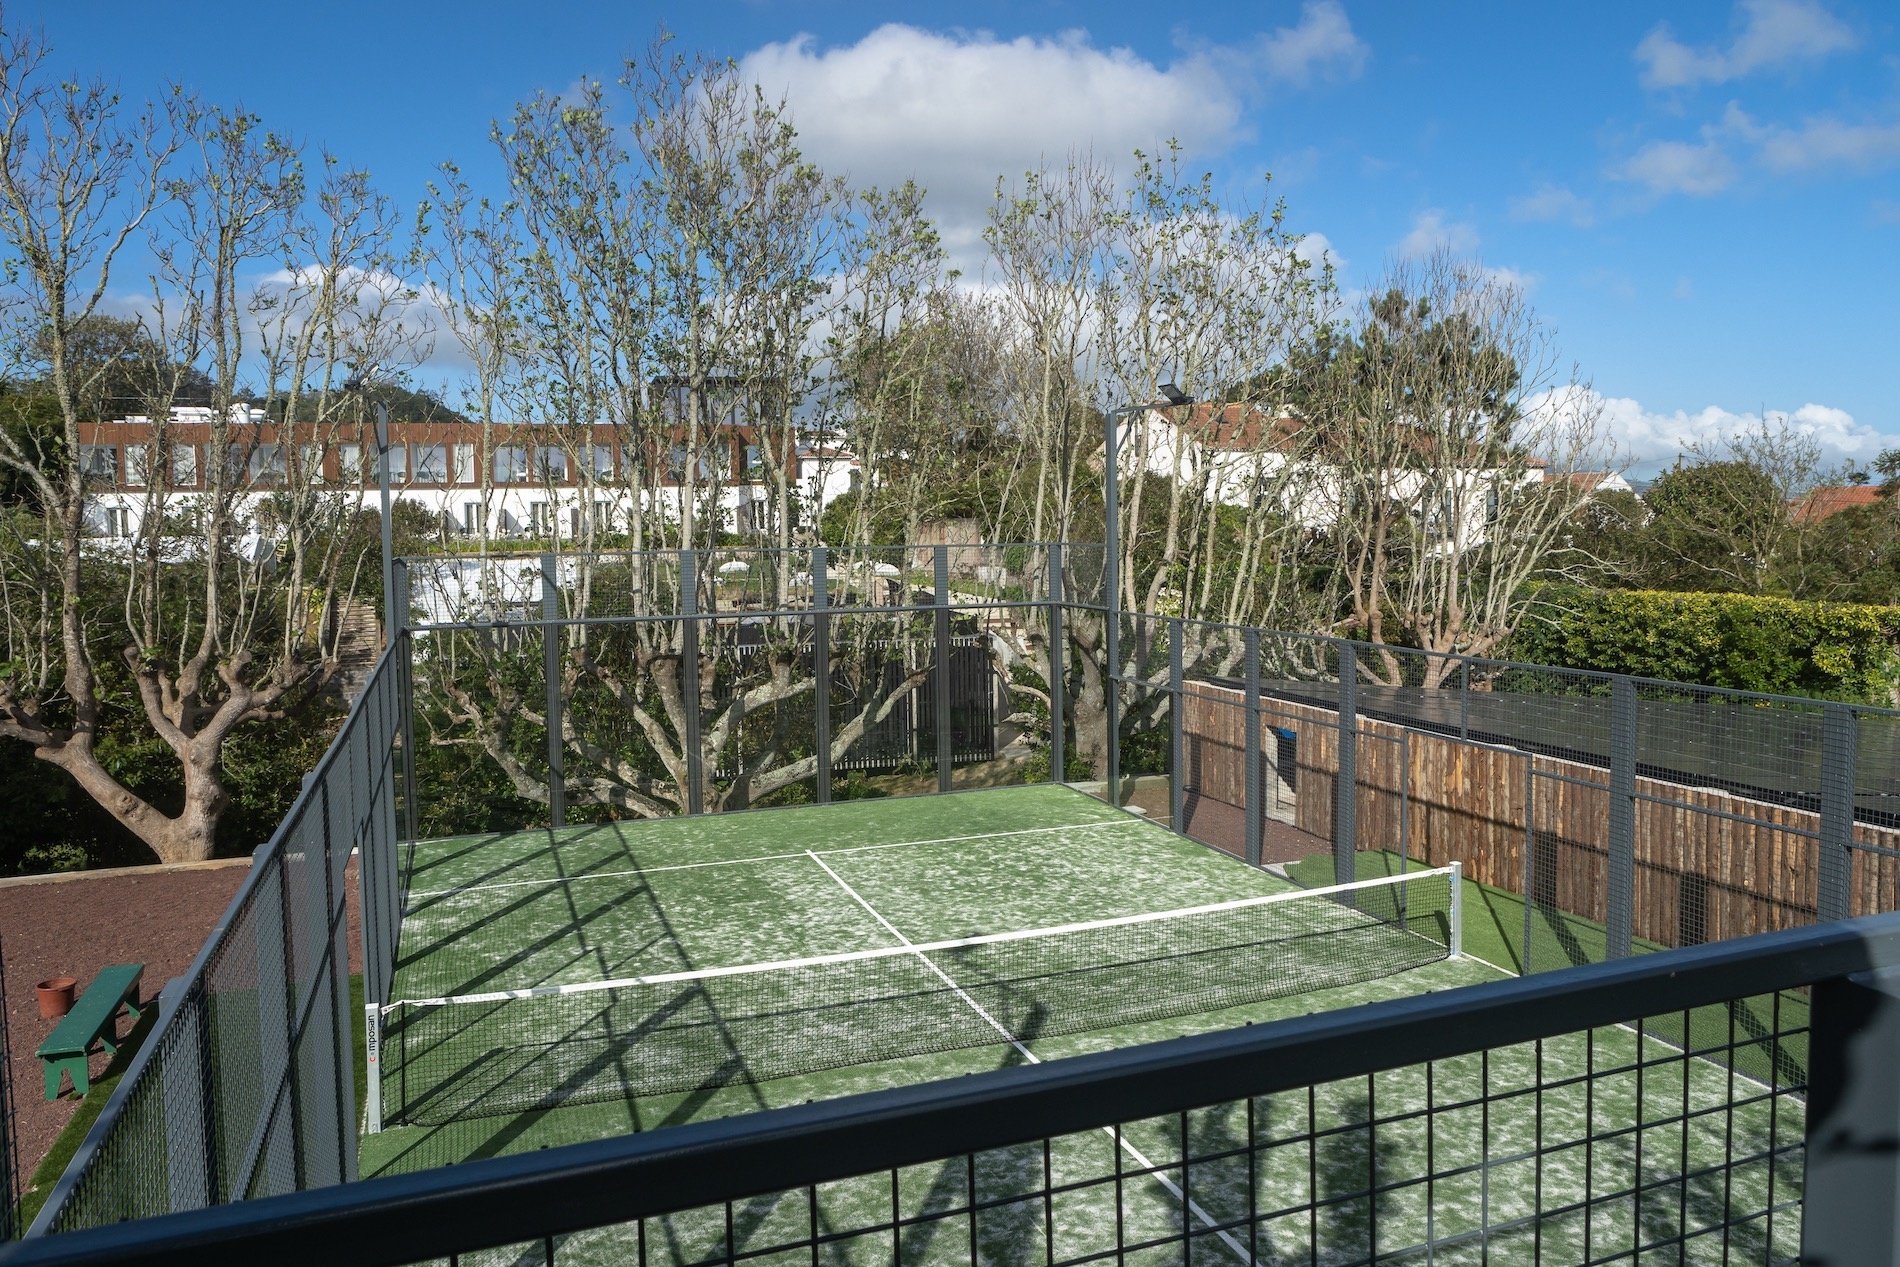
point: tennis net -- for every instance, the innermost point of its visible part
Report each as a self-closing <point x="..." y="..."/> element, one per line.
<point x="439" y="1060"/>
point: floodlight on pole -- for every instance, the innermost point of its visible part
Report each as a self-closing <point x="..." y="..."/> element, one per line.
<point x="1167" y="396"/>
<point x="358" y="387"/>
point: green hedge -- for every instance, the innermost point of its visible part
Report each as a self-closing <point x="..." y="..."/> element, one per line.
<point x="1781" y="645"/>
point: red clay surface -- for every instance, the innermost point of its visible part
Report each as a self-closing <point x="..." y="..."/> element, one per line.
<point x="74" y="926"/>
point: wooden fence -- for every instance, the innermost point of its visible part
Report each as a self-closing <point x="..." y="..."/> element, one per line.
<point x="1709" y="865"/>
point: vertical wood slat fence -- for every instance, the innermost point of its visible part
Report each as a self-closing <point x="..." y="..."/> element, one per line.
<point x="1710" y="865"/>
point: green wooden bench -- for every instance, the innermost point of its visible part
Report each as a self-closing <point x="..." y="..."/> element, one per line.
<point x="92" y="1025"/>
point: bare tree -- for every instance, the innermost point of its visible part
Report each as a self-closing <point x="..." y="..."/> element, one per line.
<point x="1441" y="488"/>
<point x="211" y="621"/>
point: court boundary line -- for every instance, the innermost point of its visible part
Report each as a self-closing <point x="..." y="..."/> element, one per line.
<point x="933" y="947"/>
<point x="773" y="857"/>
<point x="1121" y="1141"/>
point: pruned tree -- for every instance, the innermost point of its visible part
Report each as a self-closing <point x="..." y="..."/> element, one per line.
<point x="206" y="617"/>
<point x="1446" y="424"/>
<point x="670" y="279"/>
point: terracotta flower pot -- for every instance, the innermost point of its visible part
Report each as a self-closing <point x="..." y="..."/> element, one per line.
<point x="56" y="997"/>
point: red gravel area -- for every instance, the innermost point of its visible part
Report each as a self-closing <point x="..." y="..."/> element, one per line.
<point x="74" y="925"/>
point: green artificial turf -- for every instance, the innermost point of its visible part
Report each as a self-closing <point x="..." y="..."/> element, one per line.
<point x="1565" y="1149"/>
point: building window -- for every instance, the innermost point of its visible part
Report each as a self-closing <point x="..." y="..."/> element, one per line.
<point x="600" y="460"/>
<point x="474" y="518"/>
<point x="267" y="464"/>
<point x="574" y="522"/>
<point x="138" y="465"/>
<point x="754" y="463"/>
<point x="184" y="466"/>
<point x="550" y="463"/>
<point x="398" y="463"/>
<point x="432" y="464"/>
<point x="538" y="518"/>
<point x="102" y="520"/>
<point x="464" y="464"/>
<point x="349" y="463"/>
<point x="310" y="463"/>
<point x="511" y="464"/>
<point x="99" y="463"/>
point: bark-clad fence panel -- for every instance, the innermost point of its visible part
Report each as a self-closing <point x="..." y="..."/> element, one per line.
<point x="1710" y="865"/>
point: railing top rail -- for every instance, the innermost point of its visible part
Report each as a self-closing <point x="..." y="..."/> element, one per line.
<point x="433" y="1213"/>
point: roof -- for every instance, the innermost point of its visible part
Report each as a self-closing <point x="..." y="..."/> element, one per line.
<point x="1825" y="503"/>
<point x="1238" y="427"/>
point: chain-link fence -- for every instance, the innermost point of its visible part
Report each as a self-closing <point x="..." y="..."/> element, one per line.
<point x="245" y="1087"/>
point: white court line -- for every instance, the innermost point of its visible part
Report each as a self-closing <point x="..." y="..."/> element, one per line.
<point x="1136" y="1154"/>
<point x="771" y="857"/>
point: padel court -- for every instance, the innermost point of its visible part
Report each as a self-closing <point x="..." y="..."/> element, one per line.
<point x="557" y="987"/>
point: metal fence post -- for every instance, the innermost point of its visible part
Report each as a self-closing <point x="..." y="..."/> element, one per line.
<point x="1346" y="786"/>
<point x="941" y="627"/>
<point x="1852" y="1169"/>
<point x="293" y="1100"/>
<point x="1058" y="672"/>
<point x="551" y="665"/>
<point x="1840" y="740"/>
<point x="407" y="700"/>
<point x="1622" y="843"/>
<point x="689" y="682"/>
<point x="1254" y="807"/>
<point x="9" y="1158"/>
<point x="821" y="670"/>
<point x="1177" y="727"/>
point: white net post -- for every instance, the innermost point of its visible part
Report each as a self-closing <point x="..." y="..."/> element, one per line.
<point x="373" y="1083"/>
<point x="1457" y="946"/>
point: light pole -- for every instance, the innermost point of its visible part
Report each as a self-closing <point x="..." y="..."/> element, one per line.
<point x="390" y="622"/>
<point x="1170" y="395"/>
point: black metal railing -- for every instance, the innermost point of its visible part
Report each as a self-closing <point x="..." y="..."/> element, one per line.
<point x="1488" y="1122"/>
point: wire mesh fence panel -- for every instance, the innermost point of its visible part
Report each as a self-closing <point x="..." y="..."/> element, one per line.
<point x="243" y="1088"/>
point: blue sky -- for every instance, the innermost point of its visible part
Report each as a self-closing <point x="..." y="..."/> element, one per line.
<point x="1707" y="209"/>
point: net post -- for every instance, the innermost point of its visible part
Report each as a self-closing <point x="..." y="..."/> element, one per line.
<point x="689" y="682"/>
<point x="1457" y="946"/>
<point x="551" y="668"/>
<point x="940" y="566"/>
<point x="821" y="670"/>
<point x="1058" y="664"/>
<point x="373" y="1062"/>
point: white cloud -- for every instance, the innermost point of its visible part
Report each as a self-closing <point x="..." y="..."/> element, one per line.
<point x="1772" y="33"/>
<point x="1653" y="439"/>
<point x="1553" y="202"/>
<point x="958" y="110"/>
<point x="1679" y="167"/>
<point x="1823" y="142"/>
<point x="1323" y="45"/>
<point x="1431" y="232"/>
